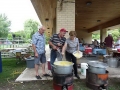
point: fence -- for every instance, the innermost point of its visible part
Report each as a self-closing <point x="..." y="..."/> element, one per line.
<point x="12" y="44"/>
<point x="5" y="44"/>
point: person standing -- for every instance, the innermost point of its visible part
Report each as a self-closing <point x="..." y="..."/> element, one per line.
<point x="82" y="41"/>
<point x="38" y="44"/>
<point x="109" y="42"/>
<point x="117" y="44"/>
<point x="71" y="45"/>
<point x="56" y="43"/>
<point x="96" y="43"/>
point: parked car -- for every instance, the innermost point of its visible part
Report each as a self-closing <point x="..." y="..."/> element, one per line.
<point x="7" y="42"/>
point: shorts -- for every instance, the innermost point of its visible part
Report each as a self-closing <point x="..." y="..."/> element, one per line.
<point x="109" y="50"/>
<point x="40" y="59"/>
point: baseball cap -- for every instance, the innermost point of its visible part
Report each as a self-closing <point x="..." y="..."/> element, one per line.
<point x="63" y="30"/>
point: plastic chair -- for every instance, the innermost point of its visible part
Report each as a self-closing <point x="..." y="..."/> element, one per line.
<point x="18" y="57"/>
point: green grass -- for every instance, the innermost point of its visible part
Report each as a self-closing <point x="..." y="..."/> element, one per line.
<point x="9" y="69"/>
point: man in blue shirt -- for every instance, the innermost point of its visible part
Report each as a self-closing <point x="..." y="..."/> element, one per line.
<point x="38" y="44"/>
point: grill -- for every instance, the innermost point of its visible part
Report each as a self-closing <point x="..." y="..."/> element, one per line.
<point x="62" y="81"/>
<point x="62" y="87"/>
<point x="97" y="81"/>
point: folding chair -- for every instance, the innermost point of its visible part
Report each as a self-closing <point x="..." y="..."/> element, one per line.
<point x="18" y="57"/>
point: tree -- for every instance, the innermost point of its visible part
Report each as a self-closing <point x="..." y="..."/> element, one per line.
<point x="115" y="34"/>
<point x="20" y="34"/>
<point x="4" y="26"/>
<point x="30" y="27"/>
<point x="96" y="36"/>
<point x="9" y="36"/>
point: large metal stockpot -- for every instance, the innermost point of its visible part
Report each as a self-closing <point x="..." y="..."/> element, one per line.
<point x="106" y="58"/>
<point x="97" y="67"/>
<point x="113" y="62"/>
<point x="63" y="67"/>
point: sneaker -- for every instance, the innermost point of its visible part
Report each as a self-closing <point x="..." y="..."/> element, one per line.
<point x="38" y="77"/>
<point x="46" y="75"/>
<point x="77" y="76"/>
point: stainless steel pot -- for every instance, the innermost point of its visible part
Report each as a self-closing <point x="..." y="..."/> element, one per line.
<point x="106" y="58"/>
<point x="59" y="69"/>
<point x="97" y="67"/>
<point x="113" y="62"/>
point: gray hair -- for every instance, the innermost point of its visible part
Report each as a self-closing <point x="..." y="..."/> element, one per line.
<point x="39" y="27"/>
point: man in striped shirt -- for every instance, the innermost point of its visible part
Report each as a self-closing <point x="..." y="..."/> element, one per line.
<point x="56" y="43"/>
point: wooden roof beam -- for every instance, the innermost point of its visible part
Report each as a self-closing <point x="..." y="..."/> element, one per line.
<point x="113" y="22"/>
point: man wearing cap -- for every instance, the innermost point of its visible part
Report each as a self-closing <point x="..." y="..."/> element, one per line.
<point x="57" y="42"/>
<point x="109" y="42"/>
<point x="38" y="44"/>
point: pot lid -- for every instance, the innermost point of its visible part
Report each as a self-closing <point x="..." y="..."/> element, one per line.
<point x="97" y="64"/>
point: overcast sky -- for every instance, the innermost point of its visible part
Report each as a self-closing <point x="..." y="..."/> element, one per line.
<point x="18" y="11"/>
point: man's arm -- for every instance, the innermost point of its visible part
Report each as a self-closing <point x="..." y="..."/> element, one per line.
<point x="34" y="41"/>
<point x="78" y="45"/>
<point x="34" y="48"/>
<point x="52" y="45"/>
<point x="112" y="41"/>
<point x="64" y="48"/>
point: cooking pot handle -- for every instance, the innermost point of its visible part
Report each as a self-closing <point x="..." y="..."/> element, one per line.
<point x="87" y="65"/>
<point x="117" y="57"/>
<point x="53" y="66"/>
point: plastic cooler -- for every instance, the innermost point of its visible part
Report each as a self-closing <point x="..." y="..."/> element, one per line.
<point x="88" y="50"/>
<point x="118" y="49"/>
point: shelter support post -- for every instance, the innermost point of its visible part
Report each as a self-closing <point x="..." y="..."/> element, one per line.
<point x="103" y="34"/>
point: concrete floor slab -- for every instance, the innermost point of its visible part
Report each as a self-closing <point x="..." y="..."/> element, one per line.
<point x="29" y="75"/>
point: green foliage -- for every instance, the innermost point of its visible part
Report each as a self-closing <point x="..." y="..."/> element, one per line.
<point x="30" y="27"/>
<point x="20" y="34"/>
<point x="115" y="34"/>
<point x="47" y="39"/>
<point x="4" y="26"/>
<point x="9" y="36"/>
<point x="96" y="36"/>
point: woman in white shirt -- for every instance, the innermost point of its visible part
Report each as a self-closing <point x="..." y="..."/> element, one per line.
<point x="71" y="45"/>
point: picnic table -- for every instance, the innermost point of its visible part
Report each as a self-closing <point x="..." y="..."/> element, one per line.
<point x="18" y="53"/>
<point x="116" y="54"/>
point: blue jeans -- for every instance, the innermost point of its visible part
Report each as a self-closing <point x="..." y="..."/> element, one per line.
<point x="53" y="56"/>
<point x="70" y="57"/>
